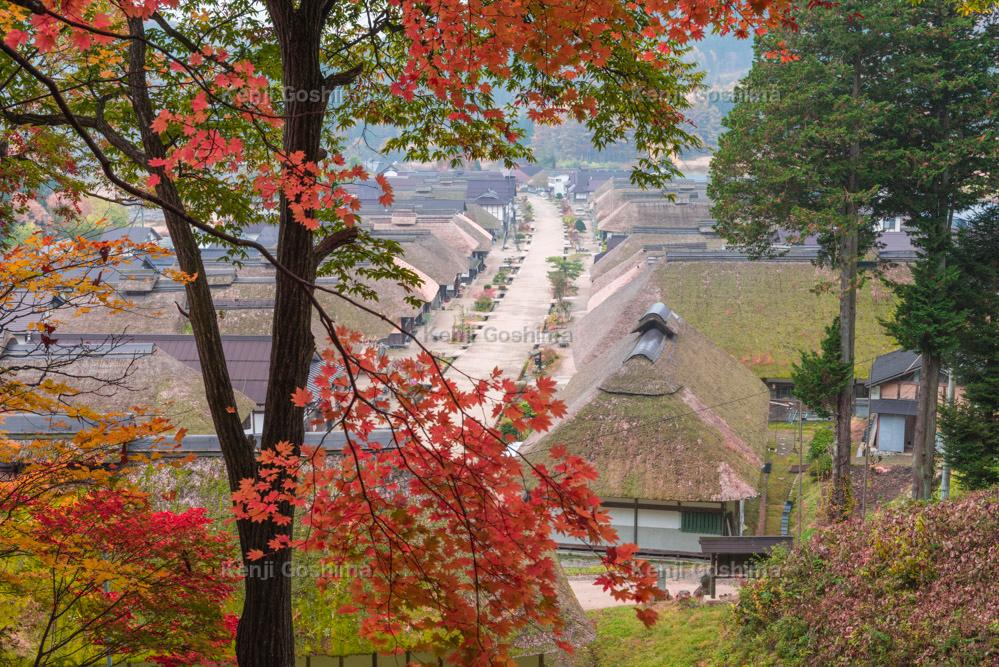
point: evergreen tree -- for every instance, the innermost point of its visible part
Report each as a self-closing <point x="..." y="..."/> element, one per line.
<point x="939" y="149"/>
<point x="820" y="376"/>
<point x="971" y="427"/>
<point x="796" y="162"/>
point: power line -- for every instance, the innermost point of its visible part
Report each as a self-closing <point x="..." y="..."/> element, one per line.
<point x="668" y="418"/>
<point x="660" y="420"/>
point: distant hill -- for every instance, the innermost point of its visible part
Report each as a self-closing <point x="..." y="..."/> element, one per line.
<point x="724" y="60"/>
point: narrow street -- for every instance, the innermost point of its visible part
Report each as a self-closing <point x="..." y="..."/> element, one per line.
<point x="511" y="329"/>
<point x="514" y="325"/>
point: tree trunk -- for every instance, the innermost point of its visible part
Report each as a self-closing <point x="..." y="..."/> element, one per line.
<point x="267" y="601"/>
<point x="841" y="497"/>
<point x="925" y="437"/>
<point x="924" y="443"/>
<point x="265" y="637"/>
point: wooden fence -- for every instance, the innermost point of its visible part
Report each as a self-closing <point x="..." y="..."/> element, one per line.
<point x="377" y="660"/>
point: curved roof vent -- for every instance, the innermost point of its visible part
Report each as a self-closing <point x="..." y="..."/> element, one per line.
<point x="655" y="327"/>
<point x="650" y="345"/>
<point x="658" y="316"/>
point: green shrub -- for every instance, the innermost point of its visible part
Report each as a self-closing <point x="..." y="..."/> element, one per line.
<point x="820" y="453"/>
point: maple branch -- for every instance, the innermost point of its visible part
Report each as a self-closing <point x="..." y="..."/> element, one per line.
<point x="332" y="242"/>
<point x="73" y="121"/>
<point x="184" y="39"/>
<point x="346" y="77"/>
<point x="96" y="122"/>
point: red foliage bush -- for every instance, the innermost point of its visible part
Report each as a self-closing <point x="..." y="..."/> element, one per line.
<point x="108" y="575"/>
<point x="914" y="585"/>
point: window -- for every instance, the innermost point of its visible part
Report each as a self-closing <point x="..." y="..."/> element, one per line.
<point x="707" y="523"/>
<point x="781" y="391"/>
<point x="891" y="225"/>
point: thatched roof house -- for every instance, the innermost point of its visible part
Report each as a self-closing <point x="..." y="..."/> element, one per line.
<point x="126" y="375"/>
<point x="484" y="219"/>
<point x="658" y="217"/>
<point x="675" y="426"/>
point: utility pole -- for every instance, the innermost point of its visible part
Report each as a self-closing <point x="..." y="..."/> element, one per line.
<point x="945" y="476"/>
<point x="867" y="468"/>
<point x="867" y="449"/>
<point x="761" y="520"/>
<point x="801" y="467"/>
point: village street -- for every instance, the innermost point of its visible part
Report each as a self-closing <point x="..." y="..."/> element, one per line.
<point x="511" y="329"/>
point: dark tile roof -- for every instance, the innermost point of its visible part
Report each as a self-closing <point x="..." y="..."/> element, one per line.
<point x="530" y="169"/>
<point x="420" y="206"/>
<point x="134" y="233"/>
<point x="66" y="347"/>
<point x="887" y="406"/>
<point x="649" y="345"/>
<point x="897" y="242"/>
<point x="248" y="357"/>
<point x="893" y="365"/>
<point x="745" y="544"/>
<point x="30" y="424"/>
<point x="658" y="315"/>
<point x="654" y="327"/>
<point x="499" y="188"/>
<point x="588" y="180"/>
<point x="483" y="218"/>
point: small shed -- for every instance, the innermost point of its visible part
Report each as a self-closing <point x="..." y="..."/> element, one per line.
<point x="735" y="555"/>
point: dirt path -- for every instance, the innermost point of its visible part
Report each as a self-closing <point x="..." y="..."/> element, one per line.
<point x="513" y="327"/>
<point x="594" y="597"/>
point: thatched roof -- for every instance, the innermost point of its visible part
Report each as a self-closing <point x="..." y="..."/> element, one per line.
<point x="765" y="313"/>
<point x="638" y="248"/>
<point x="675" y="419"/>
<point x="153" y="312"/>
<point x="150" y="379"/>
<point x="472" y="228"/>
<point x="450" y="233"/>
<point x="634" y="215"/>
<point x="434" y="257"/>
<point x="483" y="218"/>
<point x="259" y="321"/>
<point x="540" y="179"/>
<point x="578" y="630"/>
<point x="427" y="287"/>
<point x="444" y="228"/>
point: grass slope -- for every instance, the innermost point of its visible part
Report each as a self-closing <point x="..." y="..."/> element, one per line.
<point x="683" y="636"/>
<point x="762" y="313"/>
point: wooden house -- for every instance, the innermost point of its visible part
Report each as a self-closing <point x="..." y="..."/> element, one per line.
<point x="894" y="388"/>
<point x="675" y="426"/>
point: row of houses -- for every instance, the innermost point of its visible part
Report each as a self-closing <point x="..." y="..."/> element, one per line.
<point x="145" y="355"/>
<point x="487" y="197"/>
<point x="677" y="222"/>
<point x="445" y="247"/>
